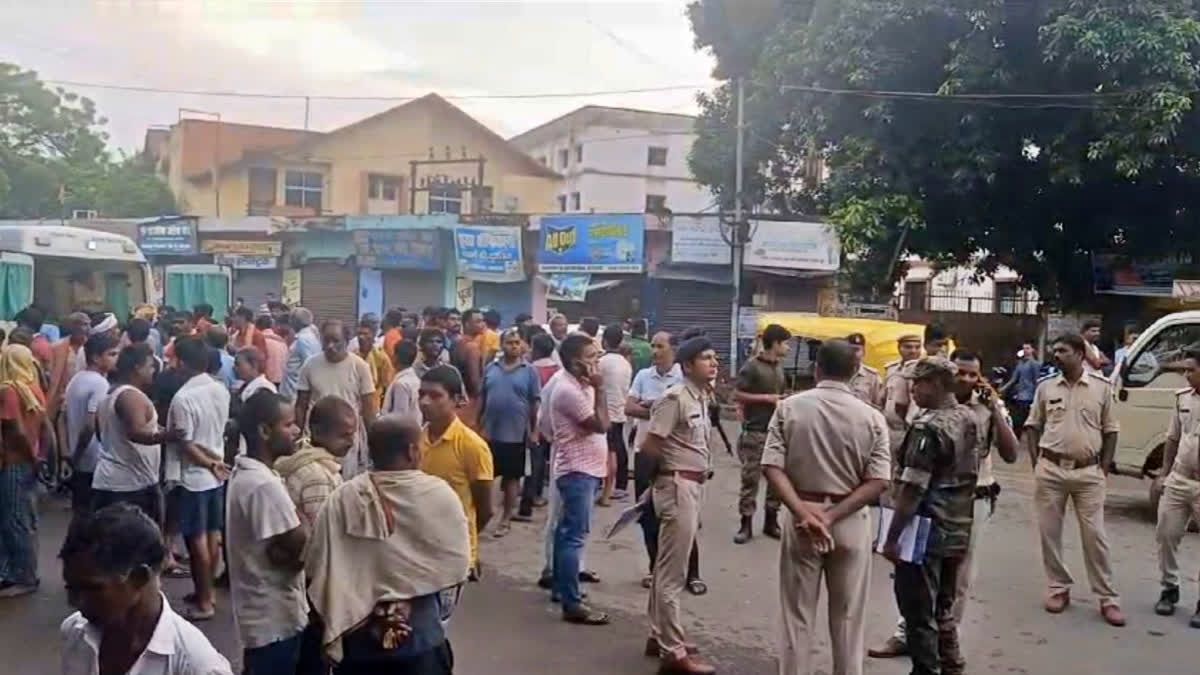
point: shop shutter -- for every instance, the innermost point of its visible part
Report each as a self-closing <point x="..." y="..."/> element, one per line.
<point x="330" y="290"/>
<point x="253" y="286"/>
<point x="412" y="289"/>
<point x="509" y="299"/>
<point x="610" y="305"/>
<point x="685" y="304"/>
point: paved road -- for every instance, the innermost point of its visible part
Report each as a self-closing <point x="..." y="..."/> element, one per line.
<point x="506" y="625"/>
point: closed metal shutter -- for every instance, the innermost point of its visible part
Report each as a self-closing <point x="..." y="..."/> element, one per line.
<point x="412" y="289"/>
<point x="330" y="290"/>
<point x="509" y="299"/>
<point x="609" y="305"/>
<point x="687" y="304"/>
<point x="253" y="286"/>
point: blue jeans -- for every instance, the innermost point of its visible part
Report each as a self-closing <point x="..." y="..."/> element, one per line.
<point x="18" y="525"/>
<point x="577" y="491"/>
<point x="278" y="657"/>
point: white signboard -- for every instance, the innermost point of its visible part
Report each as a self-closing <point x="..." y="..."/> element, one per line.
<point x="697" y="239"/>
<point x="793" y="245"/>
<point x="247" y="262"/>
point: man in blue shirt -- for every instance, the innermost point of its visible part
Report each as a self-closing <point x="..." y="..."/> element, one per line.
<point x="217" y="338"/>
<point x="510" y="395"/>
<point x="306" y="345"/>
<point x="1021" y="386"/>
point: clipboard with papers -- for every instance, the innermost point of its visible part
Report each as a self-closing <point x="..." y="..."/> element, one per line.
<point x="913" y="540"/>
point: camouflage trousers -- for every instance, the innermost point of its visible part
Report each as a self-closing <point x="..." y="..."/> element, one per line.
<point x="750" y="452"/>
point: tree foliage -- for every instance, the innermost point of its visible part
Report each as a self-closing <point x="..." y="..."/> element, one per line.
<point x="1059" y="127"/>
<point x="53" y="157"/>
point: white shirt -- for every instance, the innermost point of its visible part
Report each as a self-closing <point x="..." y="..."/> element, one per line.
<point x="252" y="387"/>
<point x="201" y="409"/>
<point x="125" y="466"/>
<point x="269" y="603"/>
<point x="1093" y="352"/>
<point x="176" y="648"/>
<point x="403" y="395"/>
<point x="648" y="386"/>
<point x="617" y="373"/>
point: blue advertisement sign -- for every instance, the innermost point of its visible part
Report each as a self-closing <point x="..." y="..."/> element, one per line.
<point x="592" y="243"/>
<point x="398" y="249"/>
<point x="173" y="236"/>
<point x="489" y="253"/>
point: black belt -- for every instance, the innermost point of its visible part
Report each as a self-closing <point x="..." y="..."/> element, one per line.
<point x="1066" y="461"/>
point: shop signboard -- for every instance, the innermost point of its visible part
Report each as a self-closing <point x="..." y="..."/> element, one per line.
<point x="167" y="236"/>
<point x="793" y="245"/>
<point x="249" y="248"/>
<point x="592" y="243"/>
<point x="247" y="262"/>
<point x="698" y="240"/>
<point x="568" y="287"/>
<point x="489" y="253"/>
<point x="398" y="249"/>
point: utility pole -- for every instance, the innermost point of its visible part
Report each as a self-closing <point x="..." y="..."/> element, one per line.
<point x="738" y="239"/>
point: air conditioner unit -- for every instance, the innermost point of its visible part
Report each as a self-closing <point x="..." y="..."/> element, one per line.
<point x="84" y="214"/>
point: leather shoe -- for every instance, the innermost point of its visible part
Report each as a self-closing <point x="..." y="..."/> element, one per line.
<point x="1166" y="601"/>
<point x="891" y="649"/>
<point x="1113" y="615"/>
<point x="1056" y="603"/>
<point x="653" y="650"/>
<point x="685" y="666"/>
<point x="1194" y="622"/>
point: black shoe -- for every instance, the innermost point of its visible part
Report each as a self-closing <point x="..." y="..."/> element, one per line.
<point x="546" y="582"/>
<point x="1195" y="620"/>
<point x="745" y="532"/>
<point x="771" y="525"/>
<point x="1167" y="601"/>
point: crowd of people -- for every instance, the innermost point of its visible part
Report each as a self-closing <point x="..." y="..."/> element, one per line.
<point x="339" y="478"/>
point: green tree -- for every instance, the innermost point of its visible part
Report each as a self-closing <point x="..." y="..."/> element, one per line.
<point x="984" y="167"/>
<point x="53" y="157"/>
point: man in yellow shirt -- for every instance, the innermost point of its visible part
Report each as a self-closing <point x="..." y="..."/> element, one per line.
<point x="454" y="453"/>
<point x="491" y="335"/>
<point x="381" y="364"/>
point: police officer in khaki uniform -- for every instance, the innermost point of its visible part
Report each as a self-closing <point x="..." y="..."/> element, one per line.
<point x="1180" y="486"/>
<point x="939" y="465"/>
<point x="677" y="446"/>
<point x="827" y="456"/>
<point x="896" y="398"/>
<point x="866" y="383"/>
<point x="1071" y="435"/>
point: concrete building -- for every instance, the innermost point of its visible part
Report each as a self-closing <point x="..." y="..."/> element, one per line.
<point x="424" y="156"/>
<point x="959" y="289"/>
<point x="618" y="160"/>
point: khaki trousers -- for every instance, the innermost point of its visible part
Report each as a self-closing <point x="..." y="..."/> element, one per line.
<point x="847" y="574"/>
<point x="677" y="503"/>
<point x="1180" y="501"/>
<point x="1085" y="488"/>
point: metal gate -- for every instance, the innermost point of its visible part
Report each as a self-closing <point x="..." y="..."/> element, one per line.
<point x="330" y="290"/>
<point x="257" y="287"/>
<point x="688" y="304"/>
<point x="411" y="289"/>
<point x="509" y="299"/>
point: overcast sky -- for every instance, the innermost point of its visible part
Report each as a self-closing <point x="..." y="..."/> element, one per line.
<point x="373" y="48"/>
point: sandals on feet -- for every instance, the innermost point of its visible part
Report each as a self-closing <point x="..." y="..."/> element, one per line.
<point x="586" y="617"/>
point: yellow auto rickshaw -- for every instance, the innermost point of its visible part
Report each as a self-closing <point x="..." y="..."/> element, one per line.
<point x="809" y="330"/>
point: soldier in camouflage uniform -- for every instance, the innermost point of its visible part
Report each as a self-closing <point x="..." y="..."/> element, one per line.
<point x="759" y="387"/>
<point x="939" y="467"/>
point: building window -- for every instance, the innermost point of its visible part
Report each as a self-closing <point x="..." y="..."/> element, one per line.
<point x="445" y="199"/>
<point x="575" y="202"/>
<point x="386" y="188"/>
<point x="564" y="158"/>
<point x="656" y="203"/>
<point x="303" y="189"/>
<point x="544" y="161"/>
<point x="915" y="293"/>
<point x="562" y="203"/>
<point x="579" y="153"/>
<point x="656" y="156"/>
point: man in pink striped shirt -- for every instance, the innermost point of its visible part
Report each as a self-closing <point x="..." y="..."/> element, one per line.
<point x="578" y="421"/>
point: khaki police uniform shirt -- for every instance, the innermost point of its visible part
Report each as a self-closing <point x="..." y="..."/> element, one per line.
<point x="868" y="386"/>
<point x="680" y="418"/>
<point x="1073" y="418"/>
<point x="1183" y="429"/>
<point x="829" y="441"/>
<point x="896" y="392"/>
